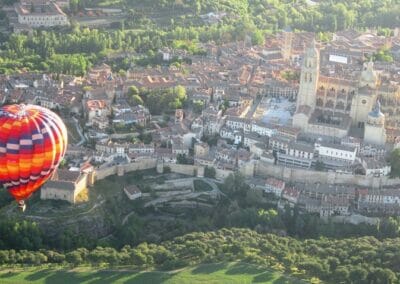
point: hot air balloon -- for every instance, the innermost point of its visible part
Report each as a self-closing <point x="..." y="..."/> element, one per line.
<point x="33" y="141"/>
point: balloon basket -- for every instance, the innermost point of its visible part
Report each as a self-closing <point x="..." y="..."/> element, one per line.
<point x="21" y="206"/>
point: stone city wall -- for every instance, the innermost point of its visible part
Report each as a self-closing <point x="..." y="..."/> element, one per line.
<point x="264" y="169"/>
<point x="176" y="183"/>
<point x="144" y="164"/>
<point x="189" y="170"/>
<point x="222" y="174"/>
<point x="105" y="172"/>
<point x="124" y="135"/>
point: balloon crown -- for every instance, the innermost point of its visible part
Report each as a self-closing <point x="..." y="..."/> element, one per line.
<point x="19" y="111"/>
<point x="22" y="110"/>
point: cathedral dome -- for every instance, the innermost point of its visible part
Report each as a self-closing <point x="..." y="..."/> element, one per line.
<point x="368" y="75"/>
<point x="376" y="116"/>
<point x="376" y="111"/>
<point x="312" y="50"/>
<point x="366" y="90"/>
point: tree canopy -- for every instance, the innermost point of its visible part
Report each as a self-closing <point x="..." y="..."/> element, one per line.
<point x="395" y="163"/>
<point x="73" y="50"/>
<point x="360" y="260"/>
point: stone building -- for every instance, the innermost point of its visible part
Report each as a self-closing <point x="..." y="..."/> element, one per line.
<point x="133" y="192"/>
<point x="365" y="96"/>
<point x="35" y="14"/>
<point x="65" y="185"/>
<point x="308" y="79"/>
<point x="374" y="131"/>
<point x="330" y="106"/>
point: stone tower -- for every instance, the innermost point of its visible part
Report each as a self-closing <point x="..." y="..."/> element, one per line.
<point x="369" y="76"/>
<point x="160" y="166"/>
<point x="286" y="50"/>
<point x="365" y="96"/>
<point x="374" y="131"/>
<point x="309" y="78"/>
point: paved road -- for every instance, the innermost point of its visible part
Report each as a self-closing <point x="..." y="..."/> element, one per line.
<point x="211" y="182"/>
<point x="80" y="132"/>
<point x="215" y="190"/>
<point x="74" y="215"/>
<point x="253" y="108"/>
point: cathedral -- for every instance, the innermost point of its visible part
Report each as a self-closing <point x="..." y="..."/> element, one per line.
<point x="331" y="106"/>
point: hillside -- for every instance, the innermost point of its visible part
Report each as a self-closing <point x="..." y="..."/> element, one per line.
<point x="142" y="28"/>
<point x="356" y="260"/>
<point x="268" y="14"/>
<point x="240" y="273"/>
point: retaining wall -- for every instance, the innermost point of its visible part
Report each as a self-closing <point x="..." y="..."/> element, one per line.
<point x="264" y="169"/>
<point x="144" y="164"/>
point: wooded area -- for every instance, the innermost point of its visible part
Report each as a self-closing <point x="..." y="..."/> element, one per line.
<point x="74" y="50"/>
<point x="358" y="260"/>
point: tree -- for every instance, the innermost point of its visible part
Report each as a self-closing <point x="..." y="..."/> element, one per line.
<point x="394" y="161"/>
<point x="137" y="100"/>
<point x="341" y="274"/>
<point x="313" y="268"/>
<point x="319" y="166"/>
<point x="235" y="186"/>
<point x="209" y="172"/>
<point x="182" y="159"/>
<point x="381" y="276"/>
<point x="133" y="90"/>
<point x="180" y="92"/>
<point x="389" y="227"/>
<point x="165" y="100"/>
<point x="357" y="275"/>
<point x="257" y="38"/>
<point x="74" y="258"/>
<point x="383" y="55"/>
<point x="198" y="107"/>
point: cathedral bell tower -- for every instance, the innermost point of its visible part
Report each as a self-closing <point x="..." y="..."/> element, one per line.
<point x="309" y="78"/>
<point x="365" y="97"/>
<point x="375" y="132"/>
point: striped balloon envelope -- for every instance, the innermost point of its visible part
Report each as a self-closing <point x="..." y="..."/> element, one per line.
<point x="33" y="141"/>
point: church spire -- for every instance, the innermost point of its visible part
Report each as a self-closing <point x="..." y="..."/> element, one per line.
<point x="313" y="43"/>
<point x="377" y="107"/>
<point x="376" y="110"/>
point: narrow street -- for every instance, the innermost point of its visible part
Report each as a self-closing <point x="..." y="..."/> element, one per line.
<point x="80" y="132"/>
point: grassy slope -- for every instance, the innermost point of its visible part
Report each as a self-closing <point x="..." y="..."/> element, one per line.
<point x="207" y="273"/>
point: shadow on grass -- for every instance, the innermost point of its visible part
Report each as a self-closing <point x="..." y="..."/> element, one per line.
<point x="8" y="274"/>
<point x="149" y="277"/>
<point x="267" y="276"/>
<point x="103" y="277"/>
<point x="39" y="274"/>
<point x="62" y="276"/>
<point x="243" y="268"/>
<point x="284" y="280"/>
<point x="208" y="268"/>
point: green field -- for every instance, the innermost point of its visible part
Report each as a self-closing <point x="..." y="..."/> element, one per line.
<point x="207" y="273"/>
